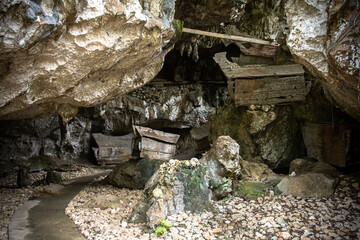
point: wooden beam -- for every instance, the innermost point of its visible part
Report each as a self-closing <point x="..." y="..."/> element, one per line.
<point x="230" y="37"/>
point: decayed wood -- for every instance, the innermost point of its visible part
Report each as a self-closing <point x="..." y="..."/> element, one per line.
<point x="269" y="90"/>
<point x="243" y="60"/>
<point x="254" y="49"/>
<point x="113" y="149"/>
<point x="156" y="155"/>
<point x="226" y="66"/>
<point x="148" y="144"/>
<point x="230" y="37"/>
<point x="233" y="70"/>
<point x="113" y="141"/>
<point x="268" y="71"/>
<point x="156" y="134"/>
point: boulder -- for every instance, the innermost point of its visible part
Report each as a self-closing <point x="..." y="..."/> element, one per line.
<point x="301" y="166"/>
<point x="316" y="185"/>
<point x="222" y="160"/>
<point x="254" y="170"/>
<point x="178" y="186"/>
<point x="58" y="55"/>
<point x="324" y="37"/>
<point x="133" y="174"/>
<point x="53" y="177"/>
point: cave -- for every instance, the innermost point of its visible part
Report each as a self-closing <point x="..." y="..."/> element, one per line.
<point x="172" y="119"/>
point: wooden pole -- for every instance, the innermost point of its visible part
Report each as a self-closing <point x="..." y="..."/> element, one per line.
<point x="230" y="37"/>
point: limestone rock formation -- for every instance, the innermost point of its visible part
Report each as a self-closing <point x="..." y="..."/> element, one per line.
<point x="176" y="106"/>
<point x="222" y="159"/>
<point x="58" y="55"/>
<point x="324" y="37"/>
<point x="254" y="170"/>
<point x="266" y="134"/>
<point x="177" y="186"/>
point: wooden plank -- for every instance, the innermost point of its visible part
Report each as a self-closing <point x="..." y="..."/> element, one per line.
<point x="232" y="70"/>
<point x="243" y="60"/>
<point x="148" y="144"/>
<point x="269" y="90"/>
<point x="268" y="71"/>
<point x="251" y="49"/>
<point x="113" y="141"/>
<point x="230" y="37"/>
<point x="156" y="134"/>
<point x="226" y="66"/>
<point x="156" y="155"/>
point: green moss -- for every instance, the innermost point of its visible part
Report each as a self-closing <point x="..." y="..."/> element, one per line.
<point x="251" y="190"/>
<point x="178" y="25"/>
<point x="162" y="228"/>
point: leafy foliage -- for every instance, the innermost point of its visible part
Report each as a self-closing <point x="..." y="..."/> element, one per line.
<point x="162" y="228"/>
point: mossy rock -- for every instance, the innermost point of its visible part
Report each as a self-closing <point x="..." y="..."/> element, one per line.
<point x="251" y="190"/>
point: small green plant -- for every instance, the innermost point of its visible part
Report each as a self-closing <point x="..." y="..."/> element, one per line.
<point x="162" y="228"/>
<point x="232" y="198"/>
<point x="165" y="224"/>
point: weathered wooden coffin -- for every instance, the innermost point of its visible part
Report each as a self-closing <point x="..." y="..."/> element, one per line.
<point x="113" y="149"/>
<point x="156" y="144"/>
<point x="271" y="84"/>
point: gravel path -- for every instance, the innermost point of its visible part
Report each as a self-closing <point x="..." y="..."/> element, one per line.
<point x="11" y="198"/>
<point x="101" y="212"/>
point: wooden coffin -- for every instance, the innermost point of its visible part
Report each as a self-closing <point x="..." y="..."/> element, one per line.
<point x="271" y="84"/>
<point x="156" y="134"/>
<point x="113" y="149"/>
<point x="155" y="144"/>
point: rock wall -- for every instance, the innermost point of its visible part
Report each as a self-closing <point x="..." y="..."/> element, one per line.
<point x="170" y="107"/>
<point x="23" y="139"/>
<point x="265" y="133"/>
<point x="58" y="55"/>
<point x="324" y="37"/>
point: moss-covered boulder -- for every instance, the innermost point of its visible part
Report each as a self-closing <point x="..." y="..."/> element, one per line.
<point x="177" y="186"/>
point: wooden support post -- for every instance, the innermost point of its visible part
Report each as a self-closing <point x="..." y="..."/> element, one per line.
<point x="230" y="37"/>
